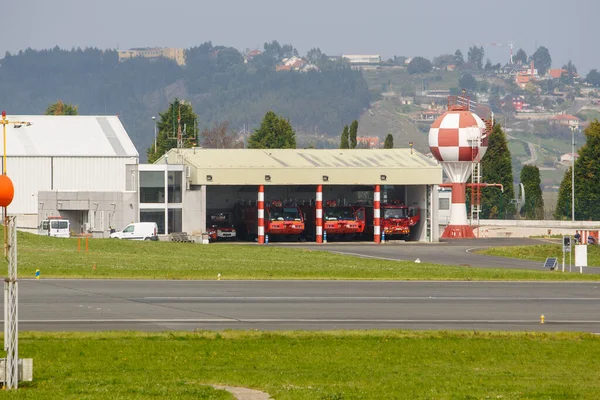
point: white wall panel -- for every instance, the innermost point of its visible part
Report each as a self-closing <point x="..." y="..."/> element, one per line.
<point x="89" y="173"/>
<point x="29" y="175"/>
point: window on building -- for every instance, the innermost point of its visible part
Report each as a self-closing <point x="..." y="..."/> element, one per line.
<point x="157" y="216"/>
<point x="175" y="186"/>
<point x="152" y="187"/>
<point x="444" y="204"/>
<point x="175" y="218"/>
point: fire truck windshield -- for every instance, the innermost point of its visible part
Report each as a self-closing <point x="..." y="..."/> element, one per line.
<point x="395" y="213"/>
<point x="338" y="213"/>
<point x="284" y="214"/>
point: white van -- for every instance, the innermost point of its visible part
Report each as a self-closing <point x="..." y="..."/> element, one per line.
<point x="55" y="227"/>
<point x="137" y="231"/>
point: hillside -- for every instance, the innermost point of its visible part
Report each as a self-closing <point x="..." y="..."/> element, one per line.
<point x="220" y="82"/>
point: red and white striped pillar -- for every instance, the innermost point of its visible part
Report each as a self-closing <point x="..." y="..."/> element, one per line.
<point x="458" y="226"/>
<point x="376" y="214"/>
<point x="261" y="214"/>
<point x="319" y="214"/>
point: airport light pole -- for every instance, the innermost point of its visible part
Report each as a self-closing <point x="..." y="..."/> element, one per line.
<point x="573" y="174"/>
<point x="154" y="119"/>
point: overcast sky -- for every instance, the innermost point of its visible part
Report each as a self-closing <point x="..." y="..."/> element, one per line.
<point x="387" y="27"/>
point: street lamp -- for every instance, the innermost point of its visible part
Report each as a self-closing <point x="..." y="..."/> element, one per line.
<point x="573" y="174"/>
<point x="154" y="119"/>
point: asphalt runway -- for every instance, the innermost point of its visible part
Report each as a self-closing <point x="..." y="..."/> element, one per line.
<point x="451" y="252"/>
<point x="99" y="305"/>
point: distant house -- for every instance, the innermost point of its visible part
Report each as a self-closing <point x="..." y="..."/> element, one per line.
<point x="566" y="120"/>
<point x="511" y="69"/>
<point x="523" y="80"/>
<point x="370" y="142"/>
<point x="363" y="59"/>
<point x="178" y="55"/>
<point x="429" y="115"/>
<point x="568" y="158"/>
<point x="250" y="55"/>
<point x="450" y="67"/>
<point x="294" y="63"/>
<point x="518" y="102"/>
<point x="406" y="101"/>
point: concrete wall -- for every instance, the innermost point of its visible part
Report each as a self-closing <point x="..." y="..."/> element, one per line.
<point x="90" y="212"/>
<point x="194" y="210"/>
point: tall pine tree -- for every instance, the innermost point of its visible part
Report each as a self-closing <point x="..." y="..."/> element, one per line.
<point x="534" y="202"/>
<point x="168" y="127"/>
<point x="344" y="141"/>
<point x="352" y="134"/>
<point x="274" y="133"/>
<point x="587" y="180"/>
<point x="496" y="168"/>
<point x="389" y="142"/>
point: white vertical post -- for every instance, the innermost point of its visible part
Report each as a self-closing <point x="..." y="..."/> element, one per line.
<point x="11" y="316"/>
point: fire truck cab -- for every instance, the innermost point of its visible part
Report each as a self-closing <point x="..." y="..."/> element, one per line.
<point x="339" y="221"/>
<point x="397" y="219"/>
<point x="221" y="227"/>
<point x="280" y="220"/>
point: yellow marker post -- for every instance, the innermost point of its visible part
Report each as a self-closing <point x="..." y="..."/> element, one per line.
<point x="542" y="318"/>
<point x="37" y="274"/>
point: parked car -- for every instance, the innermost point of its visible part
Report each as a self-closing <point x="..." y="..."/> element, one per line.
<point x="137" y="231"/>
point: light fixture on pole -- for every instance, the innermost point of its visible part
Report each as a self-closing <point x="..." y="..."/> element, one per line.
<point x="573" y="174"/>
<point x="154" y="119"/>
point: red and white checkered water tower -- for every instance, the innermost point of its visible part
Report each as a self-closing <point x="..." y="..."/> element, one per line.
<point x="458" y="139"/>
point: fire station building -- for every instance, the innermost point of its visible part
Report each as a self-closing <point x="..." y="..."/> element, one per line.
<point x="186" y="186"/>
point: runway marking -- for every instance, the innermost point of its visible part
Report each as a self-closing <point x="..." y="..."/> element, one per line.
<point x="304" y="320"/>
<point x="315" y="298"/>
<point x="365" y="256"/>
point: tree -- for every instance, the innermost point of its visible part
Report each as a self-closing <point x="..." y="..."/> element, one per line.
<point x="593" y="78"/>
<point x="389" y="142"/>
<point x="534" y="202"/>
<point x="179" y="117"/>
<point x="587" y="180"/>
<point x="220" y="137"/>
<point x="496" y="168"/>
<point x="459" y="60"/>
<point x="274" y="133"/>
<point x="542" y="60"/>
<point x="468" y="82"/>
<point x="475" y="56"/>
<point x="352" y="134"/>
<point x="442" y="61"/>
<point x="344" y="142"/>
<point x="419" y="65"/>
<point x="520" y="57"/>
<point x="60" y="108"/>
<point x="568" y="77"/>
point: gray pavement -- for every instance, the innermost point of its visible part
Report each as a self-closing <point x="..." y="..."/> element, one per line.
<point x="451" y="252"/>
<point x="96" y="305"/>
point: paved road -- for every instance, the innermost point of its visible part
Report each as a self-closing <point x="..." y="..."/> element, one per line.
<point x="95" y="305"/>
<point x="453" y="252"/>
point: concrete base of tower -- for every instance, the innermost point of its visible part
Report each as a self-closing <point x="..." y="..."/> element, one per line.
<point x="458" y="232"/>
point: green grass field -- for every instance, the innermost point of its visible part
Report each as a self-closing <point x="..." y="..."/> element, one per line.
<point x="540" y="253"/>
<point x="59" y="258"/>
<point x="302" y="365"/>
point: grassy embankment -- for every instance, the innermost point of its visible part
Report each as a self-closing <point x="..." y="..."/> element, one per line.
<point x="541" y="252"/>
<point x="59" y="258"/>
<point x="324" y="365"/>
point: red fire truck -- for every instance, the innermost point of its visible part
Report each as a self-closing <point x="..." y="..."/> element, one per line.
<point x="281" y="221"/>
<point x="221" y="227"/>
<point x="397" y="219"/>
<point x="339" y="221"/>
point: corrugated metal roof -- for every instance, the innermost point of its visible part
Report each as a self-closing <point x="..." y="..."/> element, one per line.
<point x="308" y="166"/>
<point x="70" y="136"/>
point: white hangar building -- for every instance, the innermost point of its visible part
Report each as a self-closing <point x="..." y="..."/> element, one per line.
<point x="83" y="168"/>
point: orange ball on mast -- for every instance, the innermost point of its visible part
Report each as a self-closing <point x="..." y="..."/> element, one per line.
<point x="7" y="191"/>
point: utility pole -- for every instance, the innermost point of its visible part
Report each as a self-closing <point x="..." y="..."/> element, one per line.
<point x="573" y="174"/>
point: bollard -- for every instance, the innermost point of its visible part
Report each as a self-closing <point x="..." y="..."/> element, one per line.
<point x="324" y="236"/>
<point x="78" y="244"/>
<point x="37" y="274"/>
<point x="382" y="236"/>
<point x="542" y="318"/>
<point x="86" y="244"/>
<point x="267" y="238"/>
